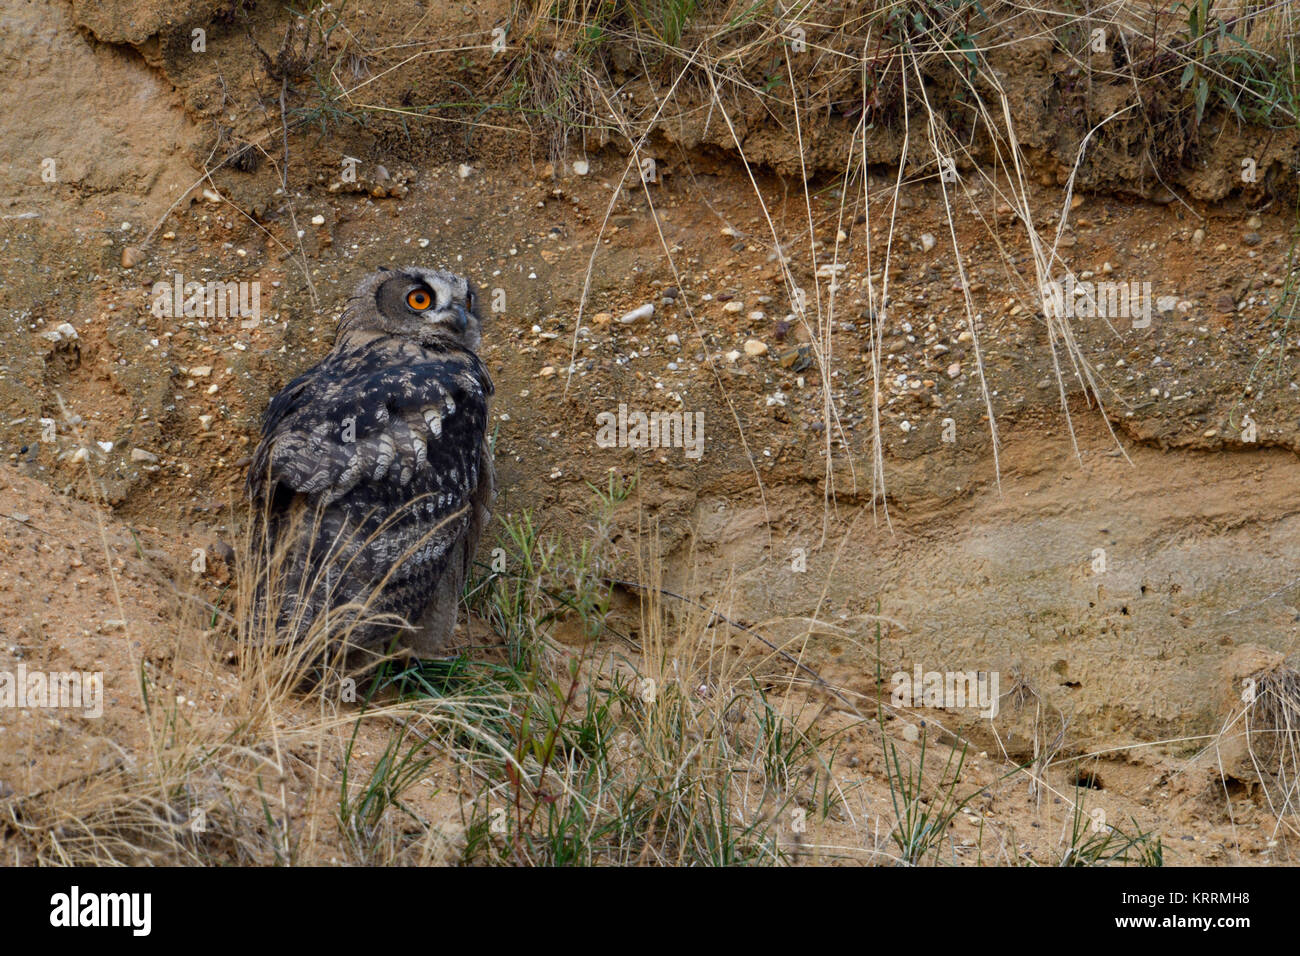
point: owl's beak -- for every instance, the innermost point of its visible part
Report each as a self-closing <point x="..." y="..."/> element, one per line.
<point x="462" y="318"/>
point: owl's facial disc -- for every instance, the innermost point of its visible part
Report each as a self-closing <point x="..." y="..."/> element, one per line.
<point x="421" y="299"/>
<point x="430" y="297"/>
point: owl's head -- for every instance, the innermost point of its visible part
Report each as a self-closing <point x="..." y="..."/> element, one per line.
<point x="429" y="306"/>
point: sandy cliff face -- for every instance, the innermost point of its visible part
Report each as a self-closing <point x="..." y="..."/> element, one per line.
<point x="1123" y="582"/>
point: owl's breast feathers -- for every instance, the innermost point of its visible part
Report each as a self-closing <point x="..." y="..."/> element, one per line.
<point x="384" y="442"/>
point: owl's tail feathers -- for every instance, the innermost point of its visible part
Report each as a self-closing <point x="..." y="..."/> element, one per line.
<point x="306" y="603"/>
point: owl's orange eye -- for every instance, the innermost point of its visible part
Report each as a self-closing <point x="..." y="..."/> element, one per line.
<point x="419" y="299"/>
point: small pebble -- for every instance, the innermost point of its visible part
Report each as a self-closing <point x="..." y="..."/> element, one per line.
<point x="64" y="331"/>
<point x="642" y="312"/>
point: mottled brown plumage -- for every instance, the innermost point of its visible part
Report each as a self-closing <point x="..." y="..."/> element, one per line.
<point x="374" y="477"/>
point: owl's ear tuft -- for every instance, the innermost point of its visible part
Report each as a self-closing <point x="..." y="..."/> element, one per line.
<point x="475" y="299"/>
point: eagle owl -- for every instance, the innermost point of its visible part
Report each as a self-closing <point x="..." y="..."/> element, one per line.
<point x="373" y="479"/>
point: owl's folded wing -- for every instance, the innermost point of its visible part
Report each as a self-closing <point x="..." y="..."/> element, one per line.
<point x="336" y="427"/>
